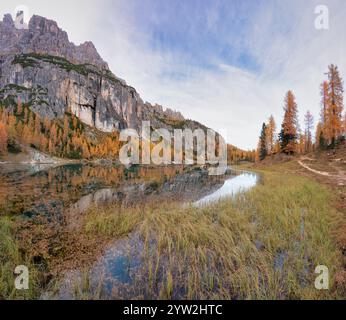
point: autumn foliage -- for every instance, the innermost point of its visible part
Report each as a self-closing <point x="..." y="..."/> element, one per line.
<point x="289" y="131"/>
<point x="332" y="127"/>
<point x="3" y="139"/>
<point x="65" y="137"/>
<point x="330" y="130"/>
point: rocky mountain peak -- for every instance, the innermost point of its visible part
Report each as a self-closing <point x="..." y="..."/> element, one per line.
<point x="8" y="21"/>
<point x="43" y="26"/>
<point x="51" y="75"/>
<point x="44" y="36"/>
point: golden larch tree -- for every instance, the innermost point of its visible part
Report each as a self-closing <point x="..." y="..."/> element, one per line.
<point x="335" y="106"/>
<point x="323" y="133"/>
<point x="289" y="130"/>
<point x="270" y="135"/>
<point x="302" y="143"/>
<point x="309" y="124"/>
<point x="3" y="139"/>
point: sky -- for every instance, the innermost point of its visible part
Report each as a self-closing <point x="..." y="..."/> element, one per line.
<point x="225" y="63"/>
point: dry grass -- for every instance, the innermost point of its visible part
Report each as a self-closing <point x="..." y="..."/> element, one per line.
<point x="113" y="221"/>
<point x="10" y="258"/>
<point x="264" y="244"/>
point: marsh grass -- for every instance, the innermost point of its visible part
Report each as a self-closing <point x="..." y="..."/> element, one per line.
<point x="83" y="289"/>
<point x="10" y="258"/>
<point x="264" y="244"/>
<point x="113" y="221"/>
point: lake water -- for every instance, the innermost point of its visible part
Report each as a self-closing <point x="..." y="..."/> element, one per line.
<point x="62" y="195"/>
<point x="33" y="191"/>
<point x="231" y="187"/>
<point x="56" y="199"/>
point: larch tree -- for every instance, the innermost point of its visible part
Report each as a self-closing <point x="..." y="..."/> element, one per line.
<point x="11" y="125"/>
<point x="319" y="138"/>
<point x="66" y="128"/>
<point x="46" y="124"/>
<point x="19" y="107"/>
<point x="324" y="101"/>
<point x="309" y="124"/>
<point x="85" y="150"/>
<point x="335" y="106"/>
<point x="3" y="139"/>
<point x="37" y="125"/>
<point x="302" y="143"/>
<point x="289" y="130"/>
<point x="26" y="113"/>
<point x="323" y="129"/>
<point x="271" y="129"/>
<point x="277" y="146"/>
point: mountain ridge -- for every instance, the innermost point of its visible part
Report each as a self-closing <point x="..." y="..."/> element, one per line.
<point x="42" y="68"/>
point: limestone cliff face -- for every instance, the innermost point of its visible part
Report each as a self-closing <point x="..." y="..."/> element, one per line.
<point x="44" y="69"/>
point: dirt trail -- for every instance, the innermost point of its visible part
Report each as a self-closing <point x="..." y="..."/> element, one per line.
<point x="330" y="169"/>
<point x="340" y="176"/>
<point x="322" y="173"/>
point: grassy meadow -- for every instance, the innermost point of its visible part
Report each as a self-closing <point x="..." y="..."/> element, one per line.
<point x="264" y="244"/>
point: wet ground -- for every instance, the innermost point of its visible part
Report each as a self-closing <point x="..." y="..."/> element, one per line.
<point x="56" y="199"/>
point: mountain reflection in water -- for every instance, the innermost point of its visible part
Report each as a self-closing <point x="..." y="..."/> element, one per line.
<point x="35" y="191"/>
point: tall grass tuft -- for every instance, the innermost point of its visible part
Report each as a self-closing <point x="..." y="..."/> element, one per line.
<point x="10" y="258"/>
<point x="264" y="244"/>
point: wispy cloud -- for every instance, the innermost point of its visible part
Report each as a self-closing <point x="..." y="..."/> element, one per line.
<point x="227" y="64"/>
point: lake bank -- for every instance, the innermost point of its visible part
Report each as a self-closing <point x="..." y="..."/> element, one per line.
<point x="262" y="244"/>
<point x="46" y="206"/>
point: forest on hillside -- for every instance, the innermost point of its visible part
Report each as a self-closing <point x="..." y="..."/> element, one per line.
<point x="330" y="129"/>
<point x="67" y="137"/>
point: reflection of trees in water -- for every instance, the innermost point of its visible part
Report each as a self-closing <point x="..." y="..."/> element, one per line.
<point x="56" y="187"/>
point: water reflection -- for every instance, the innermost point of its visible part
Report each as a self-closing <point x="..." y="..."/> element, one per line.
<point x="28" y="191"/>
<point x="116" y="270"/>
<point x="231" y="187"/>
<point x="31" y="191"/>
<point x="56" y="199"/>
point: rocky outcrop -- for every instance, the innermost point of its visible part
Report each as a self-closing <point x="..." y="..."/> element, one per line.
<point x="42" y="68"/>
<point x="45" y="37"/>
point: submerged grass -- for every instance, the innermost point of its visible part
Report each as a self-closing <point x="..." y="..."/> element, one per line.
<point x="264" y="244"/>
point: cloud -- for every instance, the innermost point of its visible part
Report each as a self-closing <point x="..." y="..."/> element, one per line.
<point x="227" y="64"/>
<point x="221" y="91"/>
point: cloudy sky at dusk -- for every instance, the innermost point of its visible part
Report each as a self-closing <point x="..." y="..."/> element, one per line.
<point x="227" y="64"/>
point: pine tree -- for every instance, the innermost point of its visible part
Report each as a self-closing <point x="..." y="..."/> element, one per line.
<point x="263" y="143"/>
<point x="289" y="131"/>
